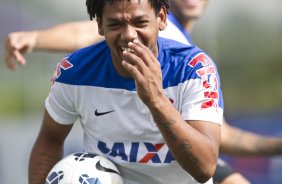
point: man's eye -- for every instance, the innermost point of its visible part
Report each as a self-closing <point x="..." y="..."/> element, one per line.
<point x="114" y="25"/>
<point x="141" y="23"/>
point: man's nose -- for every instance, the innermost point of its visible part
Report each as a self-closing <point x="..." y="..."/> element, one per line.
<point x="129" y="33"/>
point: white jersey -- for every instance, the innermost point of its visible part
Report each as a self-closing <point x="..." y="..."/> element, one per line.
<point x="115" y="121"/>
<point x="176" y="31"/>
<point x="172" y="32"/>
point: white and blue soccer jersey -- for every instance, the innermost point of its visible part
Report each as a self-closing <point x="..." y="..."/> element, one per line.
<point x="116" y="122"/>
<point x="175" y="31"/>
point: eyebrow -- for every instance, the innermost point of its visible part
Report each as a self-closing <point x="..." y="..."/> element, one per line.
<point x="140" y="17"/>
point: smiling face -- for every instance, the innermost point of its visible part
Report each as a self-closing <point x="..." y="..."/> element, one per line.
<point x="123" y="21"/>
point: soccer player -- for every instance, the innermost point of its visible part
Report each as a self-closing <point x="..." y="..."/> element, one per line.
<point x="160" y="98"/>
<point x="181" y="21"/>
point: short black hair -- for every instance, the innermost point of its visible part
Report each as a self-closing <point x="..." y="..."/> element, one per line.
<point x="95" y="7"/>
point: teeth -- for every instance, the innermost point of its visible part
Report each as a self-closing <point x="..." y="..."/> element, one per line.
<point x="127" y="49"/>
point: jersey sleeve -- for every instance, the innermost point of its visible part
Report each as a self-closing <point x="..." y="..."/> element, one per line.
<point x="202" y="96"/>
<point x="60" y="103"/>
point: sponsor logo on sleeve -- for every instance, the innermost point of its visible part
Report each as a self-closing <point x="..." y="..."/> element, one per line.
<point x="207" y="73"/>
<point x="63" y="64"/>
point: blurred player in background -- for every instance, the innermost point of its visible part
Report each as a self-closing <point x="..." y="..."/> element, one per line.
<point x="183" y="15"/>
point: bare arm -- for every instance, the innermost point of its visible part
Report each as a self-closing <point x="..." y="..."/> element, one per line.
<point x="68" y="36"/>
<point x="235" y="141"/>
<point x="65" y="37"/>
<point x="194" y="144"/>
<point x="47" y="150"/>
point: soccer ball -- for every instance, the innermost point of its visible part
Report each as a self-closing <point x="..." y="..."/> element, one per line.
<point x="84" y="168"/>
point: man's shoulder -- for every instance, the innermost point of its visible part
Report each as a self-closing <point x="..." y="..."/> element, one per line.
<point x="77" y="67"/>
<point x="189" y="56"/>
<point x="175" y="48"/>
<point x="89" y="51"/>
<point x="182" y="62"/>
<point x="174" y="33"/>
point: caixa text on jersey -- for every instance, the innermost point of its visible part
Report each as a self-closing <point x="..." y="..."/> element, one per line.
<point x="140" y="152"/>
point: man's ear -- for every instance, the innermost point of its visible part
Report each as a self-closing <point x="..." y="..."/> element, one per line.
<point x="100" y="26"/>
<point x="162" y="18"/>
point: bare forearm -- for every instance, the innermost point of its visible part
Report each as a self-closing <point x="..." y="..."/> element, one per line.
<point x="41" y="161"/>
<point x="53" y="40"/>
<point x="68" y="36"/>
<point x="243" y="143"/>
<point x="194" y="151"/>
<point x="194" y="144"/>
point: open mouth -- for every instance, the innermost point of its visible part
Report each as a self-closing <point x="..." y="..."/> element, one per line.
<point x="127" y="49"/>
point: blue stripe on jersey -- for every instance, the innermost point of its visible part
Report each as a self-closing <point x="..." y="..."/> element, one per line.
<point x="92" y="66"/>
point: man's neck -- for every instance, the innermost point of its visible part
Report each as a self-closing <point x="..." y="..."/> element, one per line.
<point x="188" y="24"/>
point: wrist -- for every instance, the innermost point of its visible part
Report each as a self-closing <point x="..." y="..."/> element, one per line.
<point x="34" y="44"/>
<point x="160" y="104"/>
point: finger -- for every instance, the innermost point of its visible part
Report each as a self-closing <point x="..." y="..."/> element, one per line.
<point x="10" y="64"/>
<point x="19" y="57"/>
<point x="135" y="61"/>
<point x="142" y="51"/>
<point x="146" y="56"/>
<point x="9" y="58"/>
<point x="132" y="70"/>
<point x="8" y="54"/>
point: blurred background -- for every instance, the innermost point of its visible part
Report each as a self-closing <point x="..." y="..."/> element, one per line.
<point x="243" y="37"/>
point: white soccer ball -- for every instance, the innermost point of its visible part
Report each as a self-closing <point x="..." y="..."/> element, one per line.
<point x="84" y="168"/>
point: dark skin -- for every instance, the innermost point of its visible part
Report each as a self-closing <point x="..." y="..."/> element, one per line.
<point x="135" y="26"/>
<point x="193" y="157"/>
<point x="239" y="142"/>
<point x="143" y="66"/>
<point x="47" y="150"/>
